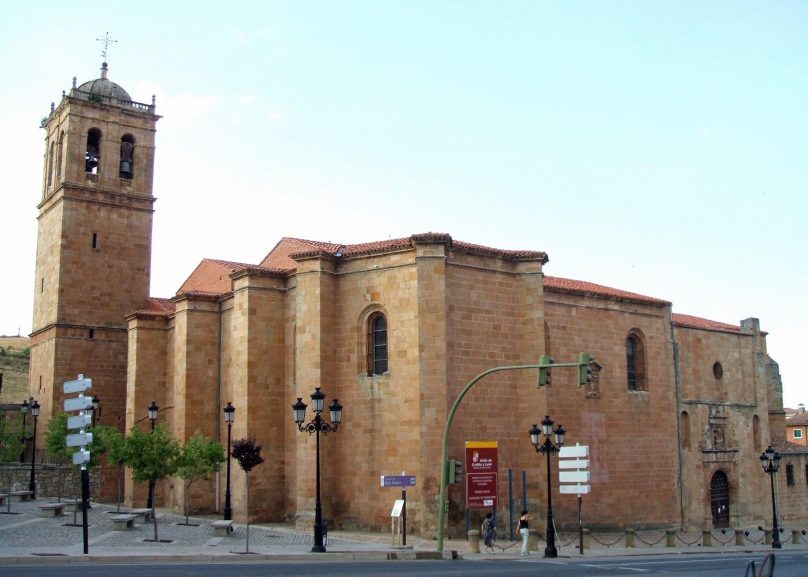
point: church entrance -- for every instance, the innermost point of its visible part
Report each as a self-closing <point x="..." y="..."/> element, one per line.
<point x="719" y="500"/>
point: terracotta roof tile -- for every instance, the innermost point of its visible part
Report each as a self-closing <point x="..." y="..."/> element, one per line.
<point x="692" y="322"/>
<point x="279" y="257"/>
<point x="157" y="307"/>
<point x="211" y="276"/>
<point x="583" y="288"/>
<point x="506" y="254"/>
<point x="790" y="448"/>
<point x="798" y="419"/>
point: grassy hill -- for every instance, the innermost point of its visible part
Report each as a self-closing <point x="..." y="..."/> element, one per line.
<point x="14" y="362"/>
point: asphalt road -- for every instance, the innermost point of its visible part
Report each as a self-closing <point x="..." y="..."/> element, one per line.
<point x="788" y="564"/>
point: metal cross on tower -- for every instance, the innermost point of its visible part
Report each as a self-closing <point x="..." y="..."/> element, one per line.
<point x="106" y="40"/>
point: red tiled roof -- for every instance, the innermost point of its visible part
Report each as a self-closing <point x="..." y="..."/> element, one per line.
<point x="691" y="322"/>
<point x="583" y="288"/>
<point x="790" y="448"/>
<point x="279" y="257"/>
<point x="211" y="276"/>
<point x="797" y="420"/>
<point x="157" y="307"/>
<point x="507" y="254"/>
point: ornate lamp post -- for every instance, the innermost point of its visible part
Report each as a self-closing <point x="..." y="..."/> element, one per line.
<point x="96" y="409"/>
<point x="153" y="410"/>
<point x="32" y="482"/>
<point x="770" y="460"/>
<point x="548" y="448"/>
<point x="317" y="425"/>
<point x="229" y="415"/>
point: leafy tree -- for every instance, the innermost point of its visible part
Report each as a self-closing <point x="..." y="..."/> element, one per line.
<point x="11" y="443"/>
<point x="201" y="457"/>
<point x="151" y="456"/>
<point x="114" y="442"/>
<point x="248" y="455"/>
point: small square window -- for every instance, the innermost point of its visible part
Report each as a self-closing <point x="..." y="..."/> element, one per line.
<point x="798" y="433"/>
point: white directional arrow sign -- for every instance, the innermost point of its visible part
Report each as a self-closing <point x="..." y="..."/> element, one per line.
<point x="78" y="386"/>
<point x="573" y="469"/>
<point x="81" y="457"/>
<point x="78" y="404"/>
<point x="573" y="476"/>
<point x="79" y="421"/>
<point x="79" y="439"/>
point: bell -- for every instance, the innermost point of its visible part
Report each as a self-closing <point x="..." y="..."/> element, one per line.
<point x="91" y="163"/>
<point x="126" y="169"/>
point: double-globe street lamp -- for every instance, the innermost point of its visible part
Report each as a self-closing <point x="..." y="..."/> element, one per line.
<point x="153" y="410"/>
<point x="317" y="425"/>
<point x="548" y="447"/>
<point x="770" y="460"/>
<point x="229" y="416"/>
<point x="32" y="482"/>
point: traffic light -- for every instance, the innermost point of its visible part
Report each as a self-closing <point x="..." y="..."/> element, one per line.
<point x="454" y="472"/>
<point x="544" y="372"/>
<point x="458" y="472"/>
<point x="584" y="372"/>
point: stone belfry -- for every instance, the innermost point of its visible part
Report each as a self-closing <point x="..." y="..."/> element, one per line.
<point x="93" y="258"/>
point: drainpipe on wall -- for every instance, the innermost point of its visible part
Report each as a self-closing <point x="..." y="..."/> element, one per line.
<point x="681" y="478"/>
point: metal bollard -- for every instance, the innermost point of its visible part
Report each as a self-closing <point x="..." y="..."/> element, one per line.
<point x="670" y="538"/>
<point x="474" y="541"/>
<point x="706" y="538"/>
<point x="630" y="533"/>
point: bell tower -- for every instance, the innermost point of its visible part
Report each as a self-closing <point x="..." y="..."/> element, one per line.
<point x="93" y="260"/>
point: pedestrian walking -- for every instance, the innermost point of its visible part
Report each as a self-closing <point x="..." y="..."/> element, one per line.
<point x="524" y="531"/>
<point x="489" y="531"/>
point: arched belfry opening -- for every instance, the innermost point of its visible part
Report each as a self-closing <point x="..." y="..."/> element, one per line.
<point x="127" y="164"/>
<point x="92" y="155"/>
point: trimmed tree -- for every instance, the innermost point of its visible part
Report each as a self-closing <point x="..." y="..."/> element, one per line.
<point x="248" y="455"/>
<point x="201" y="457"/>
<point x="11" y="444"/>
<point x="152" y="456"/>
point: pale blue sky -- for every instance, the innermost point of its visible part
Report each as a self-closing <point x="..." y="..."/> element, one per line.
<point x="656" y="147"/>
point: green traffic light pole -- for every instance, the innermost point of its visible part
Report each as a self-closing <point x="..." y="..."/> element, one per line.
<point x="443" y="505"/>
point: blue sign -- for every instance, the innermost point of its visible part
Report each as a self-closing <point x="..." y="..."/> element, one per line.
<point x="398" y="481"/>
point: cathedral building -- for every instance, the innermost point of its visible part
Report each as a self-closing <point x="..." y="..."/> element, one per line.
<point x="675" y="420"/>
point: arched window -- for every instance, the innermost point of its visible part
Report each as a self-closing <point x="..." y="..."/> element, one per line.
<point x="635" y="362"/>
<point x="684" y="426"/>
<point x="92" y="155"/>
<point x="50" y="162"/>
<point x="127" y="164"/>
<point x="377" y="344"/>
<point x="59" y="152"/>
<point x="756" y="432"/>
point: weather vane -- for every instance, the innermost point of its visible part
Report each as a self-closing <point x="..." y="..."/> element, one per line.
<point x="106" y="40"/>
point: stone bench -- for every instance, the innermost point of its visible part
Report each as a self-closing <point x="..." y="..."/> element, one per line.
<point x="222" y="528"/>
<point x="123" y="522"/>
<point x="17" y="496"/>
<point x="143" y="515"/>
<point x="52" y="510"/>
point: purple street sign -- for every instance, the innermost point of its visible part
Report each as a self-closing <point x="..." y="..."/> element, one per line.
<point x="398" y="480"/>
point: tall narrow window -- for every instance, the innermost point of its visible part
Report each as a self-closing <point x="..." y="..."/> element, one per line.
<point x="92" y="155"/>
<point x="790" y="475"/>
<point x="127" y="164"/>
<point x="50" y="162"/>
<point x="95" y="240"/>
<point x="377" y="344"/>
<point x="635" y="363"/>
<point x="684" y="425"/>
<point x="756" y="432"/>
<point x="59" y="151"/>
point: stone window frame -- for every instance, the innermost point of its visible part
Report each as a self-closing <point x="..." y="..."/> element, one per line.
<point x="797" y="434"/>
<point x="375" y="366"/>
<point x="636" y="377"/>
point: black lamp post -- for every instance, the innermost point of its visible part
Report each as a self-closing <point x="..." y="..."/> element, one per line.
<point x="317" y="425"/>
<point x="770" y="460"/>
<point x="96" y="408"/>
<point x="153" y="409"/>
<point x="32" y="482"/>
<point x="548" y="448"/>
<point x="229" y="415"/>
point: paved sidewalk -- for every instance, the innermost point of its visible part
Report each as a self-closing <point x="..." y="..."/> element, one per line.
<point x="27" y="537"/>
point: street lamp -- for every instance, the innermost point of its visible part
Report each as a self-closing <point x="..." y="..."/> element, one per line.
<point x="229" y="416"/>
<point x="317" y="425"/>
<point x="32" y="482"/>
<point x="96" y="408"/>
<point x="153" y="409"/>
<point x="770" y="460"/>
<point x="548" y="448"/>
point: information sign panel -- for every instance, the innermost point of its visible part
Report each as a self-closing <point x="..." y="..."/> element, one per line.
<point x="482" y="483"/>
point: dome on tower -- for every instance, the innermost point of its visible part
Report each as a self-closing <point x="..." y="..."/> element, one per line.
<point x="103" y="87"/>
